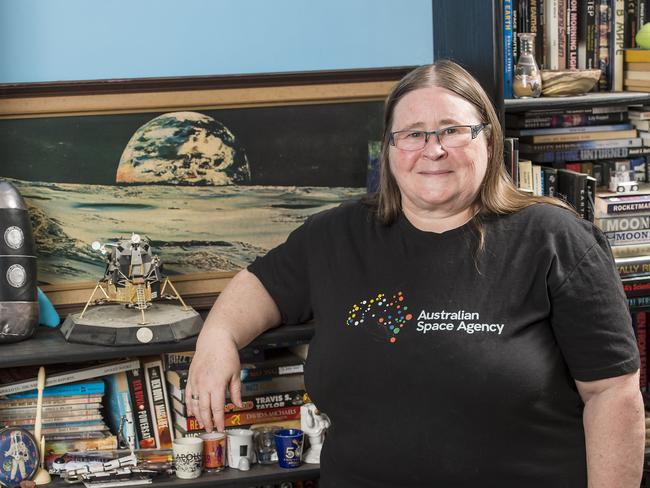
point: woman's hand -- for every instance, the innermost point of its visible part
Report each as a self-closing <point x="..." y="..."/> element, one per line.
<point x="215" y="368"/>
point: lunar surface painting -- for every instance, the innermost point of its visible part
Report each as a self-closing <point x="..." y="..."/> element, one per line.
<point x="184" y="181"/>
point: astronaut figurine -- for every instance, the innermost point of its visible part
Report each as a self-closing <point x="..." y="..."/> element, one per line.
<point x="314" y="424"/>
<point x="19" y="454"/>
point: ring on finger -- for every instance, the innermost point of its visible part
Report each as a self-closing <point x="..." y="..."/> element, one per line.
<point x="195" y="397"/>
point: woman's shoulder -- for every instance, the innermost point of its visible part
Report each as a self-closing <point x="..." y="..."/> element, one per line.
<point x="545" y="221"/>
<point x="350" y="211"/>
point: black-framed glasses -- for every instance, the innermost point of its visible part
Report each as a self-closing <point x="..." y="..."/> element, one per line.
<point x="454" y="136"/>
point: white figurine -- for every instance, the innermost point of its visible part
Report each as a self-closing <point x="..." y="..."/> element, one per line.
<point x="314" y="424"/>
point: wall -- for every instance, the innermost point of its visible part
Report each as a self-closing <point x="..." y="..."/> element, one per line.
<point x="59" y="40"/>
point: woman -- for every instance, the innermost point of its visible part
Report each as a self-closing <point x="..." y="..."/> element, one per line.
<point x="467" y="334"/>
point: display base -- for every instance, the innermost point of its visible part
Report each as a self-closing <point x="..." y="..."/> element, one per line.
<point x="116" y="325"/>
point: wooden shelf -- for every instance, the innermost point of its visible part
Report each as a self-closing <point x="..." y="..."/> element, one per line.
<point x="258" y="475"/>
<point x="590" y="99"/>
<point x="49" y="346"/>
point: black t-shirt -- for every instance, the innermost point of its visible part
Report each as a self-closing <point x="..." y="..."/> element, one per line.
<point x="441" y="367"/>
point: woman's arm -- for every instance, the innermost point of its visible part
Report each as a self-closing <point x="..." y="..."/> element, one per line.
<point x="242" y="312"/>
<point x="614" y="431"/>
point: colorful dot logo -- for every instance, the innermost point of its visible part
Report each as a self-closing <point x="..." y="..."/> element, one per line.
<point x="390" y="313"/>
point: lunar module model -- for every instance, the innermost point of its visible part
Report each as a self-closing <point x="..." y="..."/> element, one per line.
<point x="132" y="306"/>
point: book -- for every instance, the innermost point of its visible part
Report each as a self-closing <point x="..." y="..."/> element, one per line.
<point x="580" y="136"/>
<point x="571" y="188"/>
<point x="569" y="130"/>
<point x="560" y="120"/>
<point x="631" y="250"/>
<point x="604" y="29"/>
<point x="255" y="402"/>
<point x="639" y="322"/>
<point x="83" y="388"/>
<point x="91" y="372"/>
<point x="572" y="34"/>
<point x="28" y="422"/>
<point x="617" y="45"/>
<point x="633" y="266"/>
<point x="550" y="181"/>
<point x="574" y="146"/>
<point x="245" y="418"/>
<point x="50" y="410"/>
<point x="636" y="286"/>
<point x="158" y="403"/>
<point x="290" y="382"/>
<point x="71" y="400"/>
<point x="626" y="238"/>
<point x="508" y="67"/>
<point x="105" y="441"/>
<point x="590" y="155"/>
<point x="141" y="412"/>
<point x="538" y="182"/>
<point x="119" y="411"/>
<point x="624" y="204"/>
<point x="73" y="428"/>
<point x="551" y="34"/>
<point x="637" y="55"/>
<point x="590" y="196"/>
<point x="624" y="222"/>
<point x="526" y="175"/>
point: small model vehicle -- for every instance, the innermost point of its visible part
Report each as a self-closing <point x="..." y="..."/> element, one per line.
<point x="133" y="283"/>
<point x="623" y="182"/>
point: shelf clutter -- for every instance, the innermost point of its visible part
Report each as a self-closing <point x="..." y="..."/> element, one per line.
<point x="100" y="409"/>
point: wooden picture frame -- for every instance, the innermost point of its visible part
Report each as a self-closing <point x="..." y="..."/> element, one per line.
<point x="108" y="97"/>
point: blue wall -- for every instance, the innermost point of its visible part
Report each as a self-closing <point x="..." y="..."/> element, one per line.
<point x="57" y="40"/>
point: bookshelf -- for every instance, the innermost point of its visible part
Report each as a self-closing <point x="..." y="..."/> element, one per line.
<point x="590" y="99"/>
<point x="30" y="351"/>
<point x="258" y="475"/>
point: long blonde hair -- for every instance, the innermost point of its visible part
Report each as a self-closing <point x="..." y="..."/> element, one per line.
<point x="497" y="194"/>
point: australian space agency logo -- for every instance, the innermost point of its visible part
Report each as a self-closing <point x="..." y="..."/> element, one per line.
<point x="391" y="313"/>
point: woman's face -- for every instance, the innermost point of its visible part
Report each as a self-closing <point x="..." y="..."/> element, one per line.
<point x="437" y="178"/>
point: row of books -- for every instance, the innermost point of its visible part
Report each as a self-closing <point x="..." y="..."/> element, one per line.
<point x="140" y="403"/>
<point x="272" y="392"/>
<point x="573" y="34"/>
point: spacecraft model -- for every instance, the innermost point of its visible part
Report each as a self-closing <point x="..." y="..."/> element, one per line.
<point x="133" y="283"/>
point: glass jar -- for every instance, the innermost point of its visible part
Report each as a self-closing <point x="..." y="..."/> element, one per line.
<point x="527" y="81"/>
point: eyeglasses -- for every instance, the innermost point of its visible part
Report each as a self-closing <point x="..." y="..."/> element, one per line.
<point x="454" y="136"/>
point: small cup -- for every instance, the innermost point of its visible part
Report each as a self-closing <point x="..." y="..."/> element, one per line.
<point x="264" y="439"/>
<point x="288" y="444"/>
<point x="240" y="445"/>
<point x="188" y="457"/>
<point x="214" y="451"/>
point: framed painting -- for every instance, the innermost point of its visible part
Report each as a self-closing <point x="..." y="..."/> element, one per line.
<point x="213" y="172"/>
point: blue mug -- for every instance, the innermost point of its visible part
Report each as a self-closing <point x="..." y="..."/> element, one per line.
<point x="288" y="444"/>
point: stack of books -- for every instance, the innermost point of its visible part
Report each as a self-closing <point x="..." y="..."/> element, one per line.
<point x="625" y="221"/>
<point x="637" y="70"/>
<point x="72" y="416"/>
<point x="272" y="392"/>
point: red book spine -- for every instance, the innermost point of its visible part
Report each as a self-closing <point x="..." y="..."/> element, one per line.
<point x="641" y="339"/>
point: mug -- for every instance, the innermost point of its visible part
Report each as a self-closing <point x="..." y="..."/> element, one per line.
<point x="188" y="457"/>
<point x="288" y="444"/>
<point x="240" y="448"/>
<point x="214" y="451"/>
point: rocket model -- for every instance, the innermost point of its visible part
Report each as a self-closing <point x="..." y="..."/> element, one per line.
<point x="18" y="299"/>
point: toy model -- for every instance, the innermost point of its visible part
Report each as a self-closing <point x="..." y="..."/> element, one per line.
<point x="133" y="276"/>
<point x="623" y="181"/>
<point x="133" y="281"/>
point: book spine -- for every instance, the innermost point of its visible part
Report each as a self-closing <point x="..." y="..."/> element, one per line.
<point x="591" y="34"/>
<point x="88" y="388"/>
<point x="551" y="34"/>
<point x="159" y="404"/>
<point x="508" y="67"/>
<point x="562" y="34"/>
<point x="633" y="266"/>
<point x="564" y="120"/>
<point x="570" y="130"/>
<point x="177" y="361"/>
<point x="626" y="207"/>
<point x="590" y="196"/>
<point x="244" y="418"/>
<point x="630" y="23"/>
<point x="574" y="137"/>
<point x="69" y="377"/>
<point x="625" y="223"/>
<point x="604" y="30"/>
<point x="572" y="34"/>
<point x="536" y="27"/>
<point x="632" y="250"/>
<point x="639" y="288"/>
<point x="142" y="414"/>
<point x="618" y="44"/>
<point x="575" y="146"/>
<point x="550" y="181"/>
<point x="639" y="302"/>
